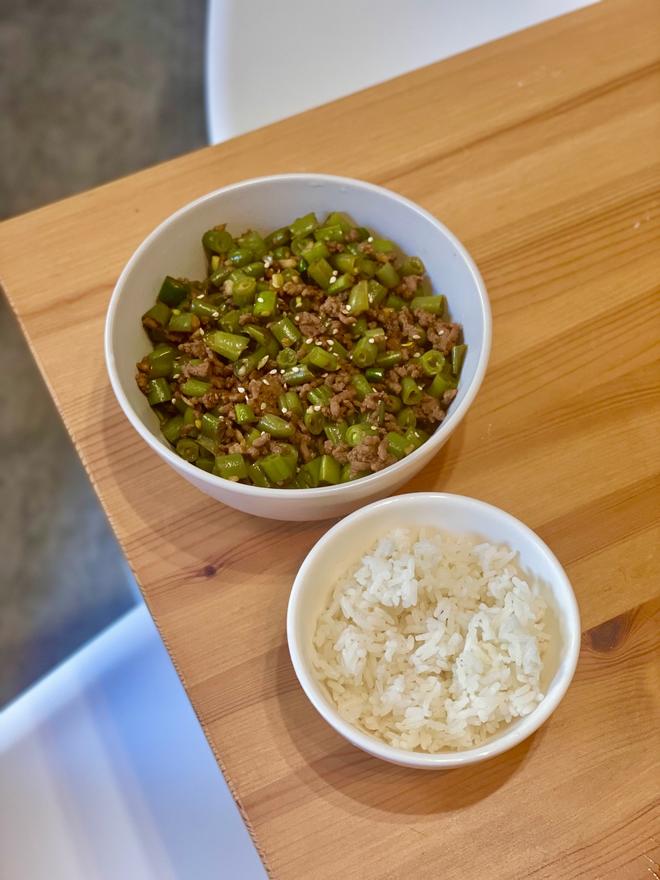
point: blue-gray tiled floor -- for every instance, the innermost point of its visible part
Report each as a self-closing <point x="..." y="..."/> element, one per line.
<point x="88" y="91"/>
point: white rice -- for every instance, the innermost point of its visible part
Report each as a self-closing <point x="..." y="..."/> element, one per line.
<point x="434" y="642"/>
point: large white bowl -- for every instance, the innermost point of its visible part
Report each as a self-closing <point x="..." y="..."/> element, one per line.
<point x="266" y="203"/>
<point x="344" y="544"/>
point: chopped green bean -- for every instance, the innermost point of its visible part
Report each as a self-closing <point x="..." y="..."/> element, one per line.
<point x="289" y="402"/>
<point x="406" y="418"/>
<point x="243" y="413"/>
<point x="329" y="471"/>
<point x="319" y="396"/>
<point x="317" y="250"/>
<point x="336" y="433"/>
<point x="433" y="304"/>
<point x="457" y="358"/>
<point x="265" y="303"/>
<point x="159" y="312"/>
<point x="228" y="345"/>
<point x="275" y="426"/>
<point x="297" y="375"/>
<point x="286" y="357"/>
<point x="412" y="266"/>
<point x="183" y="322"/>
<point x="213" y="426"/>
<point x="218" y="241"/>
<point x="344" y="282"/>
<point x="364" y="353"/>
<point x="195" y="388"/>
<point x="231" y="467"/>
<point x="399" y="446"/>
<point x="388" y="359"/>
<point x="161" y="362"/>
<point x="377" y="293"/>
<point x="256" y="360"/>
<point x="239" y="257"/>
<point x="321" y="272"/>
<point x="432" y="362"/>
<point x="314" y="421"/>
<point x="172" y="291"/>
<point x="394" y="302"/>
<point x="388" y="275"/>
<point x="278" y="238"/>
<point x="159" y="391"/>
<point x="321" y="359"/>
<point x="172" y="428"/>
<point x="355" y="434"/>
<point x="187" y="449"/>
<point x="375" y="374"/>
<point x="278" y="468"/>
<point x="203" y="309"/>
<point x="258" y="477"/>
<point x="361" y="385"/>
<point x="304" y="225"/>
<point x="440" y="384"/>
<point x="358" y="300"/>
<point x="329" y="233"/>
<point x="286" y="332"/>
<point x="411" y="393"/>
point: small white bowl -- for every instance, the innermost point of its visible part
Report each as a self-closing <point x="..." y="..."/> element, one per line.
<point x="174" y="248"/>
<point x="344" y="544"/>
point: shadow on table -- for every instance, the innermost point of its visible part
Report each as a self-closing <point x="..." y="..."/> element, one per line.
<point x="358" y="780"/>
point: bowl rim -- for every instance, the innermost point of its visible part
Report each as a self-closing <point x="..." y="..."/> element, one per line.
<point x="367" y="484"/>
<point x="569" y="614"/>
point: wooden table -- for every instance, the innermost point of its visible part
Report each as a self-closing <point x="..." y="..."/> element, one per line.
<point x="541" y="152"/>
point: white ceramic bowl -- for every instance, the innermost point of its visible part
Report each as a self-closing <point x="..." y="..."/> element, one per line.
<point x="266" y="203"/>
<point x="349" y="539"/>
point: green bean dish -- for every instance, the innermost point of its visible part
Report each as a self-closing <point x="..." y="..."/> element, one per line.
<point x="313" y="356"/>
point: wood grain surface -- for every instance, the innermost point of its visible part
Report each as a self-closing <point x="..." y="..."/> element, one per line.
<point x="541" y="152"/>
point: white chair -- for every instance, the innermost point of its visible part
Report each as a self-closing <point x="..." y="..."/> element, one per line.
<point x="266" y="61"/>
<point x="105" y="773"/>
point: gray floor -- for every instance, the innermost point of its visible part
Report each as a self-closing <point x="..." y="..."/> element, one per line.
<point x="89" y="91"/>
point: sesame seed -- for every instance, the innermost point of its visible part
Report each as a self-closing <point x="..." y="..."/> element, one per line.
<point x="317" y="407"/>
<point x="200" y="296"/>
<point x="265" y="381"/>
<point x="370" y="239"/>
<point x="173" y="400"/>
<point x="262" y="363"/>
<point x="371" y="339"/>
<point x="416" y="336"/>
<point x="242" y="371"/>
<point x="216" y="314"/>
<point x="296" y="318"/>
<point x="198" y="423"/>
<point x="284" y="410"/>
<point x="348" y="308"/>
<point x="201" y="332"/>
<point x="273" y="372"/>
<point x="176" y="311"/>
<point x="176" y="375"/>
<point x="262" y="406"/>
<point x="335" y="331"/>
<point x="282" y="372"/>
<point x="309" y="341"/>
<point x="241" y="389"/>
